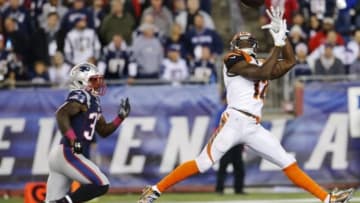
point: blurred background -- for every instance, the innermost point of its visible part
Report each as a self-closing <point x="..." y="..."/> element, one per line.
<point x="166" y="56"/>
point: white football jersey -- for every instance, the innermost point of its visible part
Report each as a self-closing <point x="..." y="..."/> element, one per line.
<point x="80" y="45"/>
<point x="241" y="93"/>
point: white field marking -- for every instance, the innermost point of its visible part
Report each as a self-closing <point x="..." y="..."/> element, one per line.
<point x="308" y="200"/>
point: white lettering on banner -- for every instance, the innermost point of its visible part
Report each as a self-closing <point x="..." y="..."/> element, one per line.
<point x="43" y="146"/>
<point x="277" y="130"/>
<point x="333" y="139"/>
<point x="126" y="141"/>
<point x="181" y="143"/>
<point x="16" y="125"/>
<point x="354" y="111"/>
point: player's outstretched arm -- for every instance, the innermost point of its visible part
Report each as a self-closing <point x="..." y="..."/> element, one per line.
<point x="253" y="72"/>
<point x="63" y="116"/>
<point x="105" y="129"/>
<point x="289" y="60"/>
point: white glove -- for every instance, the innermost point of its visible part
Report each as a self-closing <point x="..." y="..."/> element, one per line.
<point x="280" y="36"/>
<point x="275" y="16"/>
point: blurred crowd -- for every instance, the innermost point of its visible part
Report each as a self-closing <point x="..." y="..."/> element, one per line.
<point x="40" y="40"/>
<point x="325" y="35"/>
<point x="173" y="40"/>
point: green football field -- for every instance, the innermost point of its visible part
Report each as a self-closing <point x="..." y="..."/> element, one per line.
<point x="208" y="197"/>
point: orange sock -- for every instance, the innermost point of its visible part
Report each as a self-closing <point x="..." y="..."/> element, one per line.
<point x="178" y="174"/>
<point x="300" y="179"/>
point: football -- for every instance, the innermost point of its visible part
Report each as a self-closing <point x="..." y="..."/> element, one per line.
<point x="253" y="3"/>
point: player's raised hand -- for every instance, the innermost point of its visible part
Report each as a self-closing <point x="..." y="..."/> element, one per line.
<point x="125" y="108"/>
<point x="280" y="36"/>
<point x="276" y="16"/>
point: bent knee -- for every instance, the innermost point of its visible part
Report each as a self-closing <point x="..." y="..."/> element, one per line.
<point x="203" y="163"/>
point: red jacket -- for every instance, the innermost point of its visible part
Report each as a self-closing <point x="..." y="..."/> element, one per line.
<point x="291" y="6"/>
<point x="319" y="38"/>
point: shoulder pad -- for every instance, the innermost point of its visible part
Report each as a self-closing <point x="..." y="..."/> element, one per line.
<point x="79" y="96"/>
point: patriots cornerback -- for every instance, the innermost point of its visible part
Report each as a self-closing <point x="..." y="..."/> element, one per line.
<point x="78" y="119"/>
<point x="246" y="81"/>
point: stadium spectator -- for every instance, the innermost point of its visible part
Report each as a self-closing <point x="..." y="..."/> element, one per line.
<point x="174" y="67"/>
<point x="328" y="64"/>
<point x="98" y="12"/>
<point x="147" y="19"/>
<point x="40" y="74"/>
<point x="177" y="7"/>
<point x="78" y="10"/>
<point x="357" y="15"/>
<point x="204" y="68"/>
<point x="176" y="37"/>
<point x="44" y="41"/>
<point x="3" y="59"/>
<point x="297" y="35"/>
<point x="187" y="18"/>
<point x="148" y="52"/>
<point x="320" y="36"/>
<point x="314" y="26"/>
<point x="20" y="14"/>
<point x="51" y="6"/>
<point x="343" y="23"/>
<point x="289" y="6"/>
<point x="59" y="70"/>
<point x="81" y="43"/>
<point x="4" y="4"/>
<point x="8" y="63"/>
<point x="136" y="8"/>
<point x="299" y="20"/>
<point x="322" y="8"/>
<point x="162" y="16"/>
<point x="200" y="36"/>
<point x="302" y="67"/>
<point x="116" y="59"/>
<point x="346" y="53"/>
<point x="16" y="41"/>
<point x="117" y="22"/>
<point x="355" y="67"/>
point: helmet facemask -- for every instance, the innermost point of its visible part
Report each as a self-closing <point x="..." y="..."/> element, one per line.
<point x="96" y="85"/>
<point x="244" y="42"/>
<point x="86" y="76"/>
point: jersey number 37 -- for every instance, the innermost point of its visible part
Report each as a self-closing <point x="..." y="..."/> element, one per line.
<point x="89" y="134"/>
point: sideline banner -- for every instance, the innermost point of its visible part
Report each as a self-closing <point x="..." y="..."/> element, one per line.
<point x="169" y="125"/>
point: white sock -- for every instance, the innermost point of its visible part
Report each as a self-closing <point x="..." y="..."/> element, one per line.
<point x="154" y="187"/>
<point x="327" y="199"/>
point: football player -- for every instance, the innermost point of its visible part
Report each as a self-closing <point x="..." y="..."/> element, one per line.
<point x="246" y="82"/>
<point x="78" y="118"/>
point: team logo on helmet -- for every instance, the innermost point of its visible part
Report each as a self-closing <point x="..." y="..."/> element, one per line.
<point x="86" y="76"/>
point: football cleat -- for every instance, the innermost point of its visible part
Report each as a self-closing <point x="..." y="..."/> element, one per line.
<point x="341" y="196"/>
<point x="148" y="195"/>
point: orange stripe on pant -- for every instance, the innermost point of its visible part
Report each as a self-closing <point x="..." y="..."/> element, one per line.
<point x="223" y="120"/>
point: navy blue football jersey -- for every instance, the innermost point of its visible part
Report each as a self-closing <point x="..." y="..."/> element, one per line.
<point x="116" y="61"/>
<point x="84" y="123"/>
